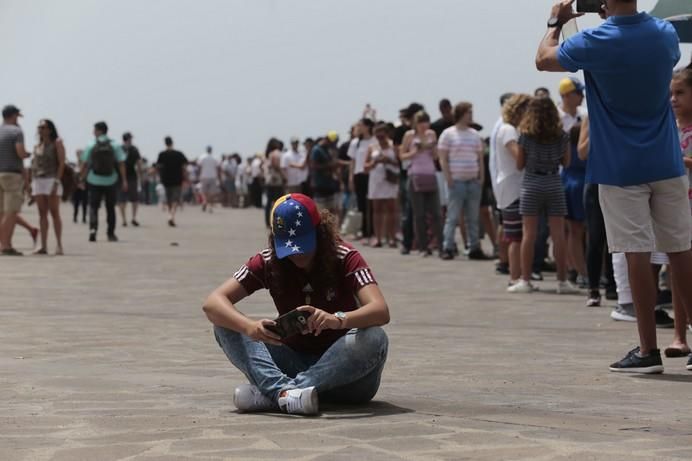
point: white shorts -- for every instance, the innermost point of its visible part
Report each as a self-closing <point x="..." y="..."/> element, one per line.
<point x="44" y="186"/>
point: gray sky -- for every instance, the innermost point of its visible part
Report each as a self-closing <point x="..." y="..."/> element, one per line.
<point x="231" y="73"/>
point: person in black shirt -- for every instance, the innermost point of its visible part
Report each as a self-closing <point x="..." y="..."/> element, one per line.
<point x="133" y="171"/>
<point x="171" y="165"/>
<point x="447" y="119"/>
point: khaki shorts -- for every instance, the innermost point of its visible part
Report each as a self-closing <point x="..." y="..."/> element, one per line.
<point x="11" y="192"/>
<point x="647" y="217"/>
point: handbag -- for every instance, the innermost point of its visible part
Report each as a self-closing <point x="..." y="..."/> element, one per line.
<point x="424" y="182"/>
<point x="391" y="176"/>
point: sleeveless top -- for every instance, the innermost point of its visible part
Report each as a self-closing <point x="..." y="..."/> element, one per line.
<point x="422" y="163"/>
<point x="45" y="161"/>
<point x="272" y="174"/>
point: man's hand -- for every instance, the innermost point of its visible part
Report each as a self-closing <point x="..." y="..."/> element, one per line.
<point x="258" y="332"/>
<point x="320" y="320"/>
<point x="564" y="11"/>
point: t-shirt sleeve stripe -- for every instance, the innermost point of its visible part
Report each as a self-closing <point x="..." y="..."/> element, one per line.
<point x="242" y="273"/>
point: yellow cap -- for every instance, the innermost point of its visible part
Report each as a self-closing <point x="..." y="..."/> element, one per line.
<point x="570" y="84"/>
<point x="332" y="136"/>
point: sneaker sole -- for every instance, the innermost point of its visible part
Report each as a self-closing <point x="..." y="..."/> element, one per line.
<point x="656" y="369"/>
<point x="689" y="367"/>
<point x="622" y="317"/>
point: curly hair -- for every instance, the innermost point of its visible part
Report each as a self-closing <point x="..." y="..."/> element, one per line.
<point x="514" y="109"/>
<point x="326" y="269"/>
<point x="684" y="75"/>
<point x="542" y="121"/>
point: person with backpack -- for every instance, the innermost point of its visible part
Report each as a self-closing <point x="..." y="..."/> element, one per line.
<point x="99" y="162"/>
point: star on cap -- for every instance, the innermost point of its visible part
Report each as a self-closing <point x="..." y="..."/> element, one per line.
<point x="291" y="232"/>
<point x="298" y="223"/>
<point x="300" y="214"/>
<point x="297" y="207"/>
<point x="296" y="249"/>
<point x="289" y="243"/>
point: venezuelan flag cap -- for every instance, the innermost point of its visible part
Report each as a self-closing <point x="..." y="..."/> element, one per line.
<point x="294" y="223"/>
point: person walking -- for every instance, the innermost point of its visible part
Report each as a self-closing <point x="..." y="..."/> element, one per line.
<point x="645" y="201"/>
<point x="420" y="148"/>
<point x="80" y="196"/>
<point x="171" y="165"/>
<point x="543" y="149"/>
<point x="210" y="178"/>
<point x="460" y="149"/>
<point x="100" y="160"/>
<point x="133" y="171"/>
<point x="12" y="177"/>
<point x="382" y="167"/>
<point x="47" y="169"/>
<point x="307" y="268"/>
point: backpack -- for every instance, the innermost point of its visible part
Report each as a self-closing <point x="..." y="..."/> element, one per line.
<point x="103" y="158"/>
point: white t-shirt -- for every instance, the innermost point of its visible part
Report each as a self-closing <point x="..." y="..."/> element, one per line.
<point x="230" y="168"/>
<point x="569" y="121"/>
<point x="463" y="146"/>
<point x="358" y="151"/>
<point x="492" y="158"/>
<point x="256" y="168"/>
<point x="208" y="167"/>
<point x="509" y="177"/>
<point x="294" y="176"/>
<point x="192" y="172"/>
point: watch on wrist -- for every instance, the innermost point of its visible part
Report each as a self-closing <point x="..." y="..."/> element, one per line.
<point x="554" y="22"/>
<point x="342" y="318"/>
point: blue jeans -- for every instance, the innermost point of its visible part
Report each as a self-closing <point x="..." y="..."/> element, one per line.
<point x="463" y="196"/>
<point x="348" y="372"/>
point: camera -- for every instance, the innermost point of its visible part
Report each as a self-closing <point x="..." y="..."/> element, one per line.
<point x="589" y="6"/>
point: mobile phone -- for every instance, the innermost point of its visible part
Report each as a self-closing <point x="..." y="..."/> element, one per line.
<point x="290" y="324"/>
<point x="589" y="6"/>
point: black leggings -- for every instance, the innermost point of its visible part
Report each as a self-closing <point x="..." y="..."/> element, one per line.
<point x="360" y="183"/>
<point x="597" y="246"/>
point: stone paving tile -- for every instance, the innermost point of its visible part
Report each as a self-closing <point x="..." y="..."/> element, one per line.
<point x="122" y="364"/>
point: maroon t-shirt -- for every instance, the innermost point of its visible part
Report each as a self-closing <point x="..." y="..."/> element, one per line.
<point x="354" y="274"/>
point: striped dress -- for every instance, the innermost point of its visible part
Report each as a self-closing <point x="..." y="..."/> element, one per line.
<point x="541" y="188"/>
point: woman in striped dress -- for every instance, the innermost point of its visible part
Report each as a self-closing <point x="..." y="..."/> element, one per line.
<point x="543" y="148"/>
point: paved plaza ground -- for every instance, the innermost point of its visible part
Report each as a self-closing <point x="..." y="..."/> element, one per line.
<point x="105" y="354"/>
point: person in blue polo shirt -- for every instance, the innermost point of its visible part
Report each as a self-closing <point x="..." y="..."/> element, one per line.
<point x="635" y="154"/>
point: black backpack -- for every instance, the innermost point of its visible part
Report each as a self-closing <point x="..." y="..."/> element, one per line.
<point x="103" y="158"/>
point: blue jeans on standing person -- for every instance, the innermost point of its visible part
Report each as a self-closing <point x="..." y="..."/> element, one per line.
<point x="348" y="372"/>
<point x="463" y="196"/>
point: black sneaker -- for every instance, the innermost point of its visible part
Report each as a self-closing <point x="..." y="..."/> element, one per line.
<point x="447" y="255"/>
<point x="135" y="223"/>
<point x="405" y="251"/>
<point x="664" y="299"/>
<point x="689" y="363"/>
<point x="611" y="294"/>
<point x="477" y="255"/>
<point x="112" y="238"/>
<point x="92" y="236"/>
<point x="124" y="223"/>
<point x="634" y="363"/>
<point x="663" y="320"/>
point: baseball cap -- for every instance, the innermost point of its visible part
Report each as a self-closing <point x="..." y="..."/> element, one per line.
<point x="570" y="84"/>
<point x="294" y="222"/>
<point x="333" y="136"/>
<point x="10" y="110"/>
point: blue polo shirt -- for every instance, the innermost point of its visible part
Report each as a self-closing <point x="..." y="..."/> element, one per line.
<point x="628" y="64"/>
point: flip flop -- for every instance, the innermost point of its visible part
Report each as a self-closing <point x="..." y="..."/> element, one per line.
<point x="676" y="352"/>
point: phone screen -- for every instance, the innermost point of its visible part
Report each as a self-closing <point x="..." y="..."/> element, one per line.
<point x="569" y="29"/>
<point x="589" y="6"/>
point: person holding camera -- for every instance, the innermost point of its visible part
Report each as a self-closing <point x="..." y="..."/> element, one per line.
<point x="635" y="154"/>
<point x="310" y="271"/>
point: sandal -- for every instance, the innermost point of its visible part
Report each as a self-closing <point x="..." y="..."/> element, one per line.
<point x="11" y="252"/>
<point x="676" y="352"/>
<point x="40" y="251"/>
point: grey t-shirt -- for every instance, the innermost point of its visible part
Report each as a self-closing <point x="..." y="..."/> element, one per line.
<point x="10" y="162"/>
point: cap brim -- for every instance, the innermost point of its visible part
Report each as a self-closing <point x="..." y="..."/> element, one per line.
<point x="300" y="245"/>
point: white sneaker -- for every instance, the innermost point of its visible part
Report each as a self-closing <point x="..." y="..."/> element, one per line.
<point x="248" y="399"/>
<point x="300" y="401"/>
<point x="566" y="288"/>
<point x="522" y="286"/>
